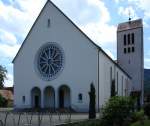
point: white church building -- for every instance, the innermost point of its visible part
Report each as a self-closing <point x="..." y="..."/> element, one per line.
<point x="57" y="62"/>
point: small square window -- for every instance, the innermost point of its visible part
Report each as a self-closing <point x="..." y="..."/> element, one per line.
<point x="80" y="97"/>
<point x="125" y="50"/>
<point x="132" y="49"/>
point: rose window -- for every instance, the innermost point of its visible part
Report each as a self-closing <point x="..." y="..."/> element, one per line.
<point x="50" y="61"/>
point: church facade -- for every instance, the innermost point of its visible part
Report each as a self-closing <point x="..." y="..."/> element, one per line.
<point x="57" y="63"/>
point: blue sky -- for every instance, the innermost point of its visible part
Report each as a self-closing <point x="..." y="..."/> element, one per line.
<point x="97" y="18"/>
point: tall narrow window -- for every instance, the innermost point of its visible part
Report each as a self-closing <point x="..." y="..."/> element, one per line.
<point x="48" y="23"/>
<point x="132" y="38"/>
<point x="128" y="39"/>
<point x="110" y="76"/>
<point x="122" y="86"/>
<point x="124" y="39"/>
<point x="126" y="87"/>
<point x="129" y="61"/>
<point x="23" y="99"/>
<point x="117" y="82"/>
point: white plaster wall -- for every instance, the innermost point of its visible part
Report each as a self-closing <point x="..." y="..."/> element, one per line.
<point x="105" y="64"/>
<point x="104" y="78"/>
<point x="124" y="84"/>
<point x="80" y="67"/>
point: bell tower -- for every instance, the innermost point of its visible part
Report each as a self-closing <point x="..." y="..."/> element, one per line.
<point x="130" y="53"/>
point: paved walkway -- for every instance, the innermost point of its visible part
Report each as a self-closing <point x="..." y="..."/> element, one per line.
<point x="47" y="119"/>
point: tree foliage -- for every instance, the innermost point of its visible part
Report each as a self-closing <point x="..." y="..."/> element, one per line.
<point x="147" y="109"/>
<point x="116" y="110"/>
<point x="3" y="101"/>
<point x="92" y="111"/>
<point x="3" y="73"/>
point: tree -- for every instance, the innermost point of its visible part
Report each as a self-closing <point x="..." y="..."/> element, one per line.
<point x="92" y="111"/>
<point x="3" y="73"/>
<point x="3" y="101"/>
<point x="113" y="92"/>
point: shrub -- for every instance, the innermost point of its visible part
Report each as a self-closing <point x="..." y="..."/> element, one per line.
<point x="147" y="109"/>
<point x="116" y="110"/>
<point x="139" y="115"/>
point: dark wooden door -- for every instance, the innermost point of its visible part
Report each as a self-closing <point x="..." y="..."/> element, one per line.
<point x="36" y="101"/>
<point x="61" y="99"/>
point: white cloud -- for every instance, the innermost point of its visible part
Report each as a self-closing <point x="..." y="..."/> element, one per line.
<point x="117" y="1"/>
<point x="6" y="37"/>
<point x="147" y="63"/>
<point x="100" y="33"/>
<point x="142" y="5"/>
<point x="128" y="11"/>
<point x="9" y="81"/>
<point x="8" y="51"/>
<point x="109" y="53"/>
<point x="19" y="20"/>
<point x="104" y="14"/>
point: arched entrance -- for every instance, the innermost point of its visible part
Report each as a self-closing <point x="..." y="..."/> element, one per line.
<point x="36" y="97"/>
<point x="64" y="96"/>
<point x="49" y="97"/>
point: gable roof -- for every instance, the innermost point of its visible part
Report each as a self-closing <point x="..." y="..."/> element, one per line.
<point x="98" y="47"/>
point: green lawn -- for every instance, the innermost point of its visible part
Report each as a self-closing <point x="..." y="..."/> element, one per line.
<point x="146" y="123"/>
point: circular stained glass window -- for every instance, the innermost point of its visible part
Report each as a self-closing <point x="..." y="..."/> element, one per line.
<point x="50" y="61"/>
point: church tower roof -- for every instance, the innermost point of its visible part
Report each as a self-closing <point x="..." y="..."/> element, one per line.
<point x="130" y="25"/>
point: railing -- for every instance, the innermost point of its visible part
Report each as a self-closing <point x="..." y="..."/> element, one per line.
<point x="35" y="118"/>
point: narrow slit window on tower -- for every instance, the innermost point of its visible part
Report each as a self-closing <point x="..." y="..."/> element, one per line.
<point x="128" y="39"/>
<point x="132" y="49"/>
<point x="124" y="39"/>
<point x="128" y="49"/>
<point x="132" y="38"/>
<point x="48" y="23"/>
<point x="125" y="50"/>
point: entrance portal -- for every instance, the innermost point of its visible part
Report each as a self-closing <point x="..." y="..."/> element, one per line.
<point x="64" y="96"/>
<point x="49" y="97"/>
<point x="36" y="97"/>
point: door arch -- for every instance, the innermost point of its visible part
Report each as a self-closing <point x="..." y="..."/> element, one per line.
<point x="49" y="97"/>
<point x="36" y="97"/>
<point x="64" y="96"/>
